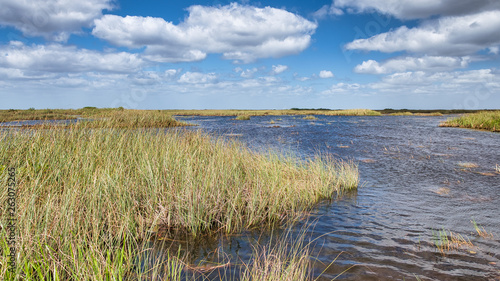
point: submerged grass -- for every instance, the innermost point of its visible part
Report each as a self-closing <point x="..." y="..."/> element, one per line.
<point x="447" y="240"/>
<point x="484" y="120"/>
<point x="481" y="231"/>
<point x="87" y="197"/>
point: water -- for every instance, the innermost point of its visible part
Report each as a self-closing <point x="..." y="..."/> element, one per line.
<point x="413" y="183"/>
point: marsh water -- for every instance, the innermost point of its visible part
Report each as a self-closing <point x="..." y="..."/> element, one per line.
<point x="416" y="179"/>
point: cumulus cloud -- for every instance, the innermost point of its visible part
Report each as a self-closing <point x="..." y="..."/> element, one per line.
<point x="448" y="36"/>
<point x="325" y="74"/>
<point x="277" y="69"/>
<point x="426" y="63"/>
<point x="57" y="58"/>
<point x="411" y="9"/>
<point x="241" y="33"/>
<point x="53" y="19"/>
<point x="197" y="78"/>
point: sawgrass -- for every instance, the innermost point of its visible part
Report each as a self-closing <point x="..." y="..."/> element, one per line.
<point x="484" y="120"/>
<point x="87" y="197"/>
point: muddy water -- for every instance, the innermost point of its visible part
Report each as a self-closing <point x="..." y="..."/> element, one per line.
<point x="416" y="179"/>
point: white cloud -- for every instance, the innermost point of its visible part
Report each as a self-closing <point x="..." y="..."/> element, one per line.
<point x="154" y="77"/>
<point x="327" y="10"/>
<point x="36" y="60"/>
<point x="426" y="63"/>
<point x="448" y="36"/>
<point x="242" y="33"/>
<point x="197" y="78"/>
<point x="411" y="9"/>
<point x="458" y="82"/>
<point x="247" y="73"/>
<point x="343" y="88"/>
<point x="325" y="74"/>
<point x="53" y="19"/>
<point x="494" y="50"/>
<point x="277" y="69"/>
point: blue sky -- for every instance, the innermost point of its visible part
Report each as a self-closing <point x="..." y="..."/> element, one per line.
<point x="336" y="54"/>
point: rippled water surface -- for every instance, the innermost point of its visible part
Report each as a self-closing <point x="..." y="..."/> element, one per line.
<point x="416" y="179"/>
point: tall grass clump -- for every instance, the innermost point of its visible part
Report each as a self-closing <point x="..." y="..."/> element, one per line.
<point x="483" y="120"/>
<point x="131" y="119"/>
<point x="242" y="117"/>
<point x="86" y="198"/>
<point x="447" y="241"/>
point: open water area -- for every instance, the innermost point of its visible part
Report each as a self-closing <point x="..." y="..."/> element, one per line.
<point x="416" y="179"/>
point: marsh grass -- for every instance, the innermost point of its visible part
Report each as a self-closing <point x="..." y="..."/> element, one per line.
<point x="484" y="120"/>
<point x="481" y="231"/>
<point x="242" y="117"/>
<point x="347" y="112"/>
<point x="130" y="119"/>
<point x="310" y="117"/>
<point x="95" y="118"/>
<point x="447" y="241"/>
<point x="88" y="197"/>
<point x="52" y="114"/>
<point x="285" y="258"/>
<point x="405" y="113"/>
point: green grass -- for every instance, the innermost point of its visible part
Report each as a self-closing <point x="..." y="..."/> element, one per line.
<point x="404" y="113"/>
<point x="242" y="117"/>
<point x="87" y="197"/>
<point x="484" y="120"/>
<point x="310" y="117"/>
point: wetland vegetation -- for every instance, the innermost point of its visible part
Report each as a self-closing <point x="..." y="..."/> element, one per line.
<point x="90" y="195"/>
<point x="483" y="120"/>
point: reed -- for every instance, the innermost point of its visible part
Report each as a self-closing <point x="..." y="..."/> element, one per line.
<point x="483" y="120"/>
<point x="88" y="197"/>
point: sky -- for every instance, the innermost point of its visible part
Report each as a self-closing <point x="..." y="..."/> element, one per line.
<point x="340" y="54"/>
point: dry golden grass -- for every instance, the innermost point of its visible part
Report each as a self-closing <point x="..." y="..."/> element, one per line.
<point x="87" y="197"/>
